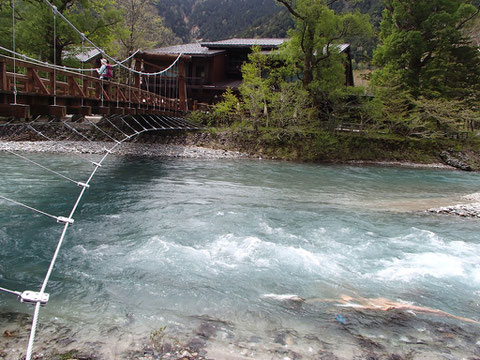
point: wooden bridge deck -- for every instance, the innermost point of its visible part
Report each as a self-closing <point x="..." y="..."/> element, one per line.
<point x="40" y="92"/>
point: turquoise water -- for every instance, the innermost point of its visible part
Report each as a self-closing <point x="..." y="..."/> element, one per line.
<point x="184" y="243"/>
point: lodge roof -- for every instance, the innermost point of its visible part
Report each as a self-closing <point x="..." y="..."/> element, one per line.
<point x="242" y="43"/>
<point x="216" y="47"/>
<point x="187" y="49"/>
<point x="219" y="47"/>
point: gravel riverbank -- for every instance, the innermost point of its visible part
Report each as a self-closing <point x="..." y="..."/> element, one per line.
<point x="470" y="207"/>
<point x="135" y="149"/>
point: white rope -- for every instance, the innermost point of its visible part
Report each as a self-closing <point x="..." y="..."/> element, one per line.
<point x="14" y="58"/>
<point x="106" y="118"/>
<point x="76" y="131"/>
<point x="31" y="339"/>
<point x="51" y="66"/>
<point x="102" y="131"/>
<point x="128" y="58"/>
<point x="52" y="140"/>
<point x="126" y="123"/>
<point x="55" y="56"/>
<point x="28" y="207"/>
<point x="33" y="330"/>
<point x="101" y="50"/>
<point x="83" y="79"/>
<point x="43" y="167"/>
<point x="18" y="293"/>
<point x="143" y="127"/>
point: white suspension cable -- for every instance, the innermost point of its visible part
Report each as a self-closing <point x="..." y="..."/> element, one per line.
<point x="14" y="58"/>
<point x="43" y="167"/>
<point x="76" y="131"/>
<point x="126" y="123"/>
<point x="106" y="118"/>
<point x="43" y="63"/>
<point x="143" y="127"/>
<point x="83" y="80"/>
<point x="18" y="293"/>
<point x="102" y="131"/>
<point x="52" y="140"/>
<point x="46" y="64"/>
<point x="54" y="8"/>
<point x="67" y="221"/>
<point x="128" y="58"/>
<point x="55" y="11"/>
<point x="29" y="207"/>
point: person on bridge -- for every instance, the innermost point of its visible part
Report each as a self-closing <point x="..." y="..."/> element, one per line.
<point x="105" y="70"/>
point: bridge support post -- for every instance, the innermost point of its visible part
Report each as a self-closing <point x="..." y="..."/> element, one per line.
<point x="79" y="110"/>
<point x="117" y="111"/>
<point x="182" y="86"/>
<point x="100" y="110"/>
<point x="18" y="111"/>
<point x="3" y="76"/>
<point x="57" y="111"/>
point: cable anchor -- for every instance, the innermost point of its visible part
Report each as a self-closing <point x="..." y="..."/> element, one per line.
<point x="32" y="297"/>
<point x="65" y="220"/>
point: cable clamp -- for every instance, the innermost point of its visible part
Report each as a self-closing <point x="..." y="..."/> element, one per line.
<point x="54" y="8"/>
<point x="32" y="297"/>
<point x="107" y="150"/>
<point x="84" y="185"/>
<point x="118" y="142"/>
<point x="65" y="220"/>
<point x="96" y="164"/>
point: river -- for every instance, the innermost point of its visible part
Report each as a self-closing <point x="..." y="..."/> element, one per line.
<point x="243" y="259"/>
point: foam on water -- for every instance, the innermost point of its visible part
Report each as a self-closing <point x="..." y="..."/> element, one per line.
<point x="413" y="266"/>
<point x="243" y="243"/>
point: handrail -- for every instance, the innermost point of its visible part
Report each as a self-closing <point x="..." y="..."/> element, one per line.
<point x="30" y="79"/>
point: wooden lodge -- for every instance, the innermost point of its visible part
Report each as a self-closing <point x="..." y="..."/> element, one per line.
<point x="209" y="68"/>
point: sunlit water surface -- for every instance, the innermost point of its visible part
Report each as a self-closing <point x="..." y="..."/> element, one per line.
<point x="211" y="249"/>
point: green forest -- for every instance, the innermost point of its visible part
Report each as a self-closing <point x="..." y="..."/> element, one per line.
<point x="420" y="104"/>
<point x="419" y="60"/>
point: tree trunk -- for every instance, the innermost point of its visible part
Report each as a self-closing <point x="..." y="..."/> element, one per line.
<point x="307" y="48"/>
<point x="56" y="55"/>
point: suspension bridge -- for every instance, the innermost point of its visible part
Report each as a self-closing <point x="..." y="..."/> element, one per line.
<point x="29" y="90"/>
<point x="36" y="96"/>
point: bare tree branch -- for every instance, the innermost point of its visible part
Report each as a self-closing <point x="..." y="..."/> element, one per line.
<point x="290" y="9"/>
<point x="462" y="24"/>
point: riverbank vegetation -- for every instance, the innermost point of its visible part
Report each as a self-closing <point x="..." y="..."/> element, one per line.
<point x="421" y="100"/>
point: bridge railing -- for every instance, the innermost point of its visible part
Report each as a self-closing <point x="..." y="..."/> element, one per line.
<point x="34" y="82"/>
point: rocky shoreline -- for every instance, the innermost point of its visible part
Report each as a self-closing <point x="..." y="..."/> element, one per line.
<point x="469" y="209"/>
<point x="133" y="149"/>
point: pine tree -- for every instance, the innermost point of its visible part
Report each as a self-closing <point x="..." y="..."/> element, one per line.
<point x="423" y="45"/>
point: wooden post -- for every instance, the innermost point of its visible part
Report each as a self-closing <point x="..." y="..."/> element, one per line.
<point x="138" y="67"/>
<point x="30" y="83"/>
<point x="3" y="76"/>
<point x="86" y="84"/>
<point x="53" y="82"/>
<point x="182" y="86"/>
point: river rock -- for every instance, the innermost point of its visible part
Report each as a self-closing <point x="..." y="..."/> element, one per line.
<point x="463" y="210"/>
<point x="460" y="160"/>
<point x="196" y="344"/>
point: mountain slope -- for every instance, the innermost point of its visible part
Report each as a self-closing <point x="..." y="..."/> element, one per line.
<point x="213" y="19"/>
